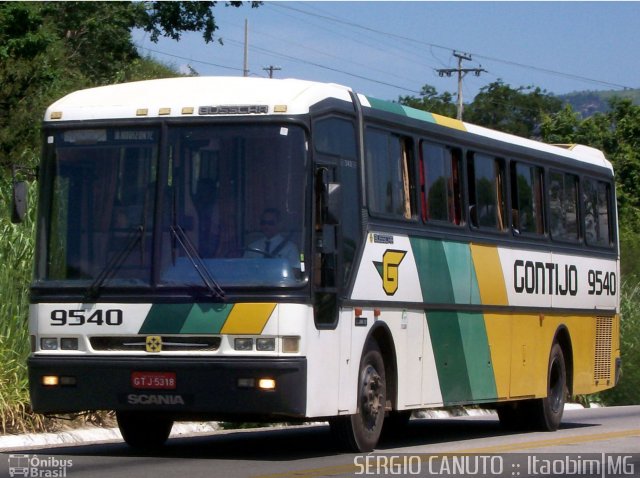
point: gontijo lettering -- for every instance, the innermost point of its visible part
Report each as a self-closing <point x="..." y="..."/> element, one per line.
<point x="544" y="278"/>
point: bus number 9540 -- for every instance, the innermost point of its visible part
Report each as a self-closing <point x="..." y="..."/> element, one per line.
<point x="602" y="283"/>
<point x="81" y="317"/>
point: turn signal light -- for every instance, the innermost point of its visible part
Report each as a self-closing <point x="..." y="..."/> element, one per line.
<point x="267" y="384"/>
<point x="50" y="380"/>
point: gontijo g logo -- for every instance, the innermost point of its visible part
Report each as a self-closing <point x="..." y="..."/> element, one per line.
<point x="388" y="269"/>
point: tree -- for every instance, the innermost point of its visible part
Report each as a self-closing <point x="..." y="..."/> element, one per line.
<point x="617" y="134"/>
<point x="48" y="49"/>
<point x="517" y="111"/>
<point x="431" y="101"/>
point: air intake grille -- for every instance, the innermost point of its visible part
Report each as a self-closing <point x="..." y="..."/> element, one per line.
<point x="602" y="365"/>
<point x="170" y="343"/>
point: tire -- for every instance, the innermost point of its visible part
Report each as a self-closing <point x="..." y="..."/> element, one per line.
<point x="512" y="415"/>
<point x="360" y="432"/>
<point x="546" y="413"/>
<point x="395" y="424"/>
<point x="144" y="431"/>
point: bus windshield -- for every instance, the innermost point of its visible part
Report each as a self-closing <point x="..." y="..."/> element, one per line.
<point x="223" y="204"/>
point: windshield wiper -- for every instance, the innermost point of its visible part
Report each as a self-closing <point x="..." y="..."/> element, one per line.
<point x="197" y="262"/>
<point x="115" y="263"/>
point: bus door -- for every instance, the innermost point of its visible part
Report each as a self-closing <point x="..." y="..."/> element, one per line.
<point x="337" y="218"/>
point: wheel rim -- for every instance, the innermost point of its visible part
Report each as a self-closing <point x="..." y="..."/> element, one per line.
<point x="372" y="397"/>
<point x="556" y="386"/>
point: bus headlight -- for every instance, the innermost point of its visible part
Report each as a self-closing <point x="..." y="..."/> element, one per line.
<point x="264" y="344"/>
<point x="243" y="344"/>
<point x="69" y="343"/>
<point x="49" y="343"/>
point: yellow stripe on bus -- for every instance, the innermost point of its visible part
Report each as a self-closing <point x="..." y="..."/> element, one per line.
<point x="498" y="329"/>
<point x="248" y="319"/>
<point x="449" y="122"/>
<point x="489" y="274"/>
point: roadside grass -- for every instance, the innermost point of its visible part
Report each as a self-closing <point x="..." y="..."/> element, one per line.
<point x="627" y="392"/>
<point x="16" y="254"/>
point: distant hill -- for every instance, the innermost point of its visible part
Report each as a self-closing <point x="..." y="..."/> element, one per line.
<point x="588" y="103"/>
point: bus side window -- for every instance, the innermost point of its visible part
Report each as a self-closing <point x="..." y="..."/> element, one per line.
<point x="596" y="203"/>
<point x="442" y="193"/>
<point x="563" y="206"/>
<point x="527" y="198"/>
<point x="390" y="185"/>
<point x="486" y="191"/>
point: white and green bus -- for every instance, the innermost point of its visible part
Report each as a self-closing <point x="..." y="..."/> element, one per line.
<point x="415" y="261"/>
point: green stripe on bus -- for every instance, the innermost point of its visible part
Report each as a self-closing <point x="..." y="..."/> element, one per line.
<point x="433" y="271"/>
<point x="398" y="109"/>
<point x="461" y="270"/>
<point x="206" y="319"/>
<point x="186" y="319"/>
<point x="478" y="356"/>
<point x="387" y="106"/>
<point x="446" y="271"/>
<point x="165" y="318"/>
<point x="448" y="351"/>
<point x="462" y="355"/>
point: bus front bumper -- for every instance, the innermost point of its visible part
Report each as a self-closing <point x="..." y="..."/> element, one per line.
<point x="193" y="387"/>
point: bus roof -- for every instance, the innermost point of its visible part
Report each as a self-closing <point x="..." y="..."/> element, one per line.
<point x="183" y="96"/>
<point x="186" y="96"/>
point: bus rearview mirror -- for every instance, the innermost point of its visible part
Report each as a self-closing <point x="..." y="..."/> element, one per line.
<point x="19" y="202"/>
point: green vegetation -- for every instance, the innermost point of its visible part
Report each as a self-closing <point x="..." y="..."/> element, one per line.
<point x="588" y="103"/>
<point x="628" y="390"/>
<point x="16" y="251"/>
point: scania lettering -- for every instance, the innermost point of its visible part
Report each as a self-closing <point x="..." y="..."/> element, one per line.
<point x="134" y="399"/>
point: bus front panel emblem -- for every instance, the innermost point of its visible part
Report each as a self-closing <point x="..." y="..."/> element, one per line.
<point x="153" y="343"/>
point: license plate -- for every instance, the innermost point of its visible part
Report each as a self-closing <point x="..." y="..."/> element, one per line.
<point x="153" y="380"/>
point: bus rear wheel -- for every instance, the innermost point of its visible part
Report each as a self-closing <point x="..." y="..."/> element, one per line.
<point x="547" y="412"/>
<point x="144" y="430"/>
<point x="360" y="432"/>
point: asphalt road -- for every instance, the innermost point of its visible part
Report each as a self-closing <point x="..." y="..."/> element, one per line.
<point x="610" y="436"/>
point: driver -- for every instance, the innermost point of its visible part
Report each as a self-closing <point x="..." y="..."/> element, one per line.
<point x="273" y="244"/>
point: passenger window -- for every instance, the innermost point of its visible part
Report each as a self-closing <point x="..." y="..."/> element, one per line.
<point x="563" y="207"/>
<point x="390" y="181"/>
<point x="486" y="191"/>
<point x="597" y="206"/>
<point x="527" y="198"/>
<point x="335" y="136"/>
<point x="442" y="200"/>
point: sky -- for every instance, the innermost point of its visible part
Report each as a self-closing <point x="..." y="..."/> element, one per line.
<point x="392" y="49"/>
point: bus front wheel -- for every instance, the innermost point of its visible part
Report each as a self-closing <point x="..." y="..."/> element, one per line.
<point x="144" y="430"/>
<point x="360" y="432"/>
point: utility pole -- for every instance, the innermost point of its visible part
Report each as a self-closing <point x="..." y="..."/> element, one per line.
<point x="271" y="69"/>
<point x="245" y="71"/>
<point x="461" y="74"/>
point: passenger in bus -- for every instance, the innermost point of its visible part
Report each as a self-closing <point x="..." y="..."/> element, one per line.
<point x="274" y="244"/>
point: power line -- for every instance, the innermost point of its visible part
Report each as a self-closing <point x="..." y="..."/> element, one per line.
<point x="434" y="45"/>
<point x="271" y="69"/>
<point x="325" y="67"/>
<point x="462" y="72"/>
<point x="208" y="63"/>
